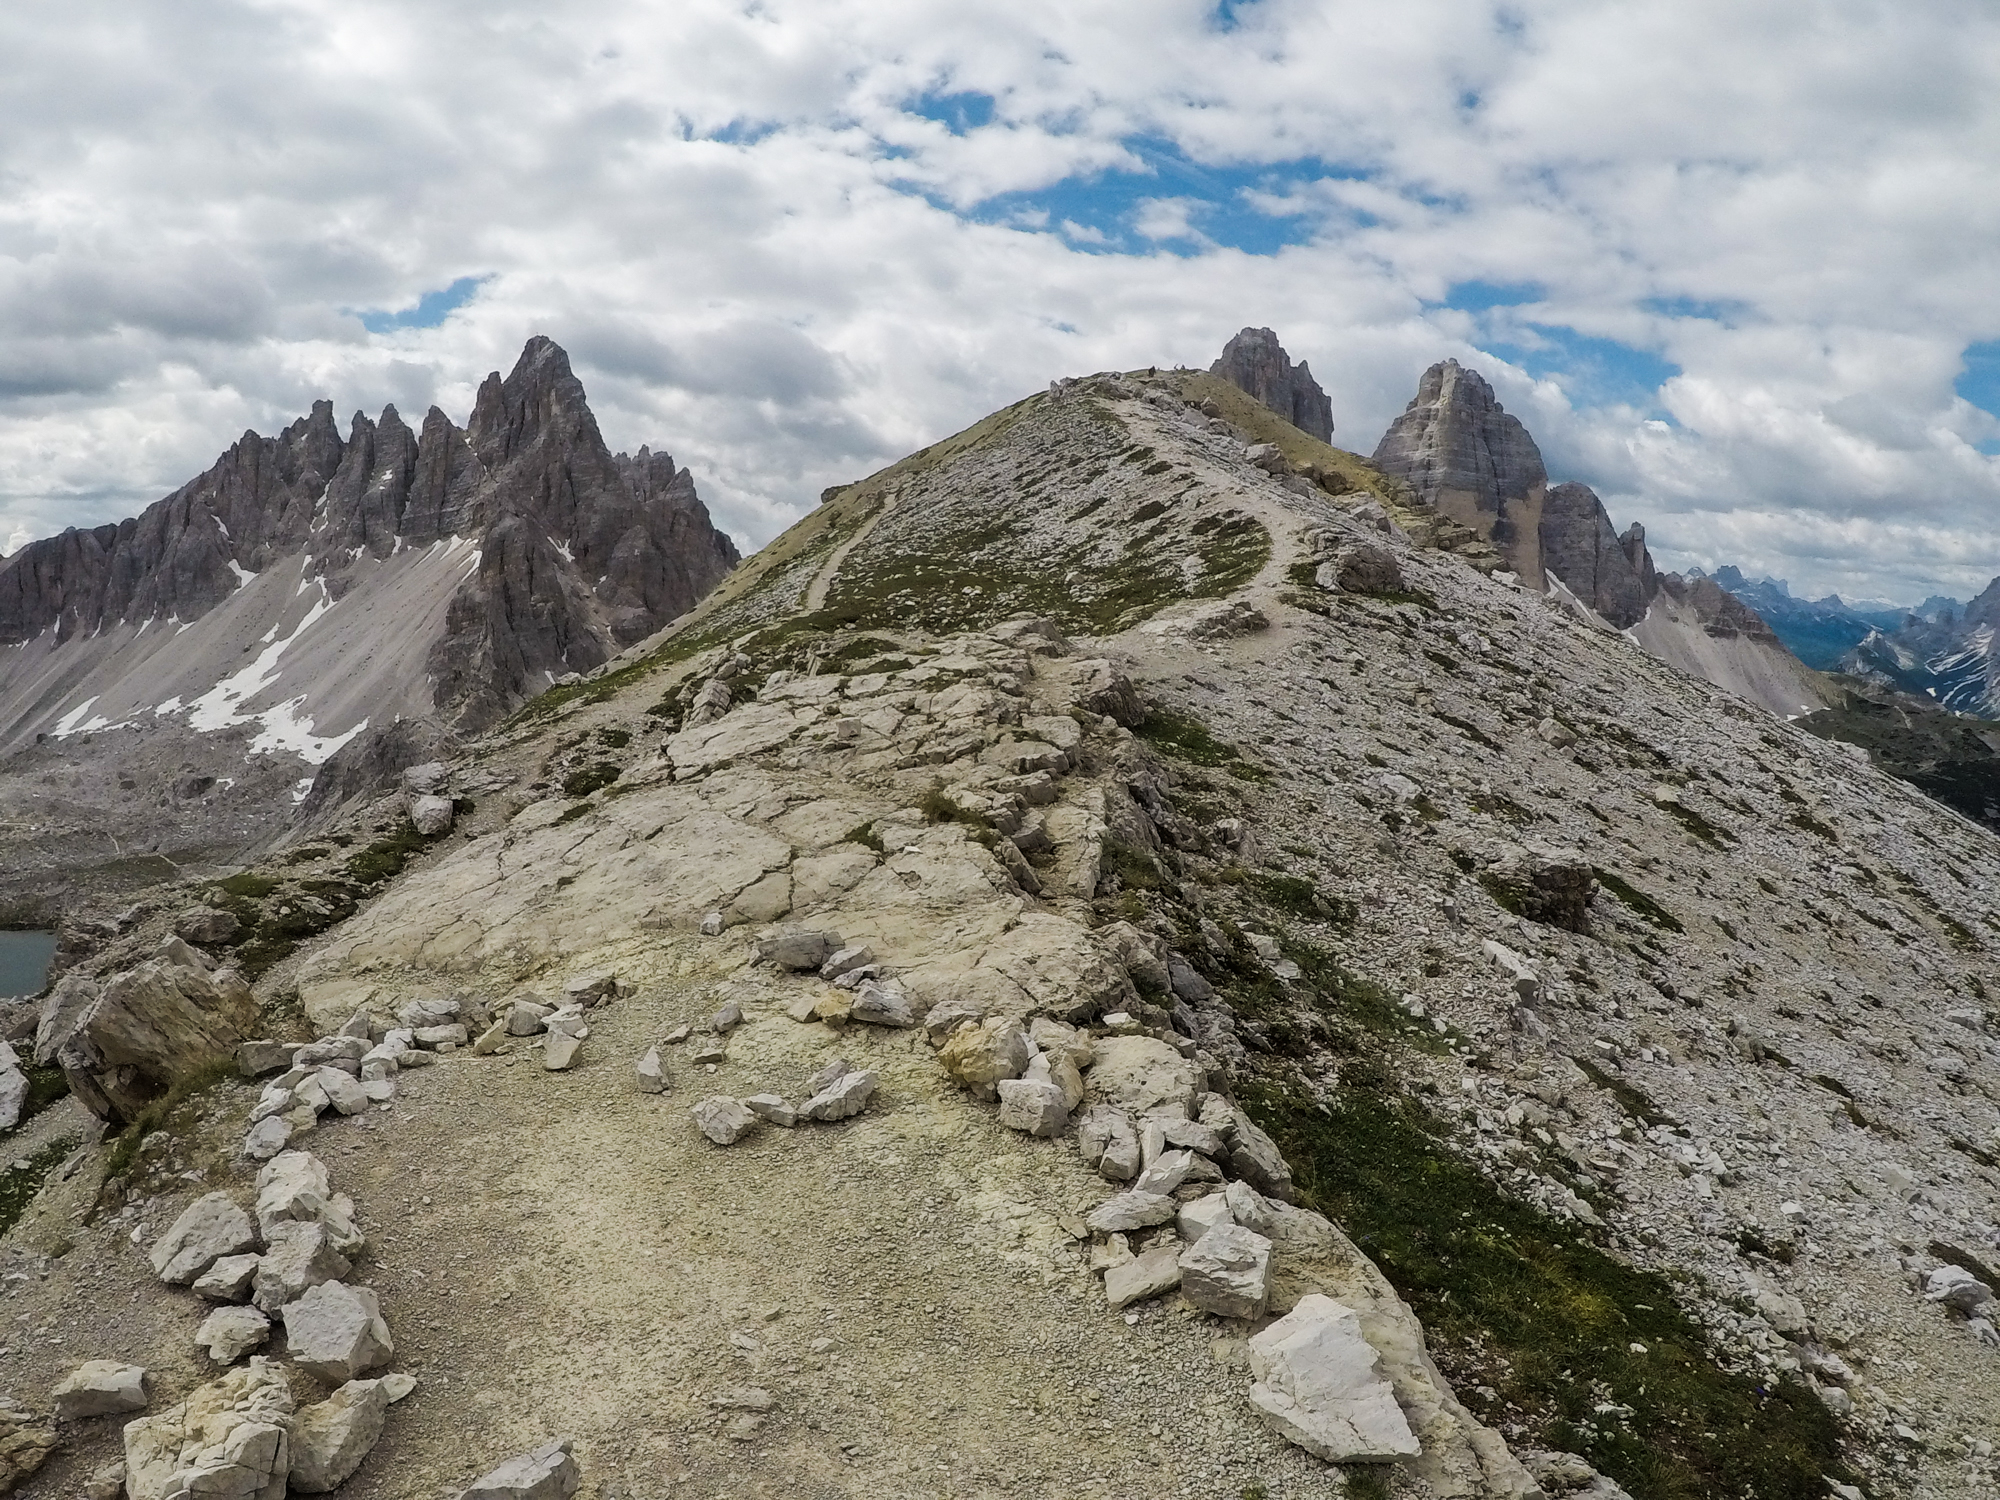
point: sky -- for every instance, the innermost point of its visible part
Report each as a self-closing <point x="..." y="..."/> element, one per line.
<point x="1736" y="263"/>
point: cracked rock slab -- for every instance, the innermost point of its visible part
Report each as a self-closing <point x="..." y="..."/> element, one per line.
<point x="1319" y="1384"/>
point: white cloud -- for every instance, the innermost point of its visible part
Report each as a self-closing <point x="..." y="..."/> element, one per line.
<point x="766" y="259"/>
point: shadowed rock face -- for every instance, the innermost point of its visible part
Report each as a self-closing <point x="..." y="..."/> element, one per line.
<point x="1254" y="361"/>
<point x="1461" y="452"/>
<point x="581" y="551"/>
<point x="1612" y="574"/>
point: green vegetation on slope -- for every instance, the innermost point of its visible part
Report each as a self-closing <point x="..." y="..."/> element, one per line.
<point x="1587" y="1353"/>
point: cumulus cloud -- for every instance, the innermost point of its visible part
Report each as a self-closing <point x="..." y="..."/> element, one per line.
<point x="1724" y="257"/>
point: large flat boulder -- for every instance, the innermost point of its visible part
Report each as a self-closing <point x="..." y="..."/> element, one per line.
<point x="148" y="1027"/>
<point x="1319" y="1384"/>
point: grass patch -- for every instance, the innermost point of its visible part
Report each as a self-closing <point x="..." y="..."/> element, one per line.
<point x="1638" y="902"/>
<point x="1467" y="728"/>
<point x="125" y="1148"/>
<point x="1716" y="838"/>
<point x="865" y="835"/>
<point x="617" y="739"/>
<point x="306" y="855"/>
<point x="1528" y="1305"/>
<point x="590" y="779"/>
<point x="18" y="1188"/>
<point x="1633" y="1100"/>
<point x="1298" y="897"/>
<point x="248" y="884"/>
<point x="385" y="858"/>
<point x="1187" y="739"/>
<point x="45" y="1087"/>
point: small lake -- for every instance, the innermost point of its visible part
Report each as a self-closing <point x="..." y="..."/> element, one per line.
<point x="24" y="961"/>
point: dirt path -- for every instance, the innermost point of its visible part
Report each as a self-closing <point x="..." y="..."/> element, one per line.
<point x="823" y="580"/>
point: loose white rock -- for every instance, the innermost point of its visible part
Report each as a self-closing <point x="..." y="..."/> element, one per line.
<point x="846" y="1095"/>
<point x="1148" y="1275"/>
<point x="723" y="1120"/>
<point x="1319" y="1384"/>
<point x="229" y="1333"/>
<point x="209" y="1228"/>
<point x="99" y="1388"/>
<point x="652" y="1076"/>
<point x="1228" y="1272"/>
<point x="332" y="1437"/>
<point x="546" y="1473"/>
<point x="1032" y="1107"/>
<point x="336" y="1331"/>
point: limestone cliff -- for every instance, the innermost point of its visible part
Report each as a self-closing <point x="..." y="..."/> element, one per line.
<point x="1255" y="362"/>
<point x="1459" y="450"/>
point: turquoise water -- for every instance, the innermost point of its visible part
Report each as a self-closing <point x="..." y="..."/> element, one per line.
<point x="24" y="961"/>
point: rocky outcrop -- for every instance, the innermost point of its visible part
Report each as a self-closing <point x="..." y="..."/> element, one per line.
<point x="1462" y="453"/>
<point x="149" y="1026"/>
<point x="1613" y="574"/>
<point x="1254" y="361"/>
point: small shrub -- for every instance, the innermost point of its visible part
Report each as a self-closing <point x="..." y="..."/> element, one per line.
<point x="248" y="884"/>
<point x="617" y="739"/>
<point x="590" y="779"/>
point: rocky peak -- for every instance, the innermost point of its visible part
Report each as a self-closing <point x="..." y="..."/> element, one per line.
<point x="1254" y="361"/>
<point x="1612" y="574"/>
<point x="1464" y="454"/>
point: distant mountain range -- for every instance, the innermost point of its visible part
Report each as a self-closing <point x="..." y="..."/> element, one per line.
<point x="1821" y="632"/>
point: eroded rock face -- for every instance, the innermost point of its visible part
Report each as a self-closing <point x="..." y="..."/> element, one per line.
<point x="1612" y="574"/>
<point x="332" y="1437"/>
<point x="1255" y="362"/>
<point x="230" y="1440"/>
<point x="1461" y="452"/>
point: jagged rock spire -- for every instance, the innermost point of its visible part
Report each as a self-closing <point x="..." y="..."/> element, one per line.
<point x="1254" y="361"/>
<point x="1461" y="451"/>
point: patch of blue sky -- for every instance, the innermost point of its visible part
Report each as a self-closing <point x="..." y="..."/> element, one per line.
<point x="1725" y="311"/>
<point x="1592" y="371"/>
<point x="1979" y="383"/>
<point x="959" y="113"/>
<point x="1480" y="296"/>
<point x="429" y="311"/>
<point x="1256" y="208"/>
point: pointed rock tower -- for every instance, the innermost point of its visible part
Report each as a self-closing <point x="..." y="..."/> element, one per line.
<point x="1463" y="454"/>
<point x="1254" y="361"/>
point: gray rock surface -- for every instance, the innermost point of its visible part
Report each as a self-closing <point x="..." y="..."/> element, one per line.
<point x="230" y="1440"/>
<point x="842" y="1098"/>
<point x="431" y="816"/>
<point x="1035" y="1108"/>
<point x="229" y="1279"/>
<point x="1612" y="574"/>
<point x="336" y="1331"/>
<point x="1228" y="1272"/>
<point x="1319" y="1383"/>
<point x="294" y="1186"/>
<point x="1461" y="452"/>
<point x="544" y="1473"/>
<point x="1128" y="1211"/>
<point x="100" y="1388"/>
<point x="1256" y="363"/>
<point x="229" y="1333"/>
<point x="299" y="1256"/>
<point x="147" y="1027"/>
<point x="209" y="1228"/>
<point x="651" y="1072"/>
<point x="1149" y="1275"/>
<point x="723" y="1120"/>
<point x="330" y="1438"/>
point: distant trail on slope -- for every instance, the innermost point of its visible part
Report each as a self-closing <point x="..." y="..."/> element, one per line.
<point x="816" y="592"/>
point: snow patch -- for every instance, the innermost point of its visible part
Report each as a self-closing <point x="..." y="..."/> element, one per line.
<point x="243" y="575"/>
<point x="221" y="706"/>
<point x="300" y="789"/>
<point x="285" y="728"/>
<point x="75" y="722"/>
<point x="171" y="706"/>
